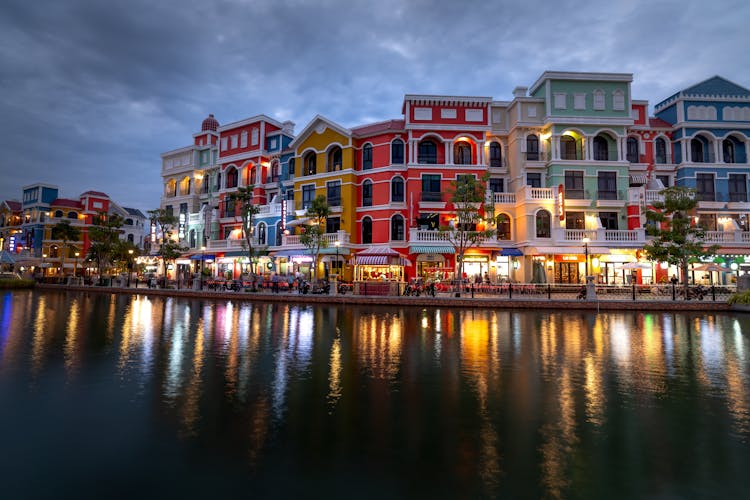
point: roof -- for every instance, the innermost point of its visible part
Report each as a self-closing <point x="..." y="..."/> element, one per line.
<point x="13" y="204"/>
<point x="134" y="212"/>
<point x="374" y="128"/>
<point x="66" y="202"/>
<point x="95" y="193"/>
<point x="716" y="86"/>
<point x="658" y="123"/>
<point x="318" y="122"/>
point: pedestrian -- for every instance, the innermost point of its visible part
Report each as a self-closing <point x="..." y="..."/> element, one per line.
<point x="275" y="283"/>
<point x="290" y="282"/>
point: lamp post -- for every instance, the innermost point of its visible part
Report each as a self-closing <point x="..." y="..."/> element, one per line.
<point x="75" y="264"/>
<point x="203" y="263"/>
<point x="585" y="241"/>
<point x="337" y="244"/>
<point x="130" y="264"/>
<point x="44" y="256"/>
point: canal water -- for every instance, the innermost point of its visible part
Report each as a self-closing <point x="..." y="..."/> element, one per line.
<point x="113" y="396"/>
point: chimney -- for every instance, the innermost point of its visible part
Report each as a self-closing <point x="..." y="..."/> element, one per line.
<point x="520" y="91"/>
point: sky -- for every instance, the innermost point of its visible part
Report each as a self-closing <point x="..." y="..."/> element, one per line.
<point x="93" y="91"/>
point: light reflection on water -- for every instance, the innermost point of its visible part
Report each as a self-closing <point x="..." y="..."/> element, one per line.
<point x="492" y="402"/>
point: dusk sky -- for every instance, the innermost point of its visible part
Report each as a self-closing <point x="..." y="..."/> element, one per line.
<point x="94" y="90"/>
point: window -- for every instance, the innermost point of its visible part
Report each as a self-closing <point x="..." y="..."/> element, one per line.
<point x="609" y="220"/>
<point x="575" y="220"/>
<point x="131" y="239"/>
<point x="290" y="194"/>
<point x="367" y="230"/>
<point x="462" y="153"/>
<point x="310" y="167"/>
<point x="334" y="193"/>
<point x="618" y="100"/>
<point x="632" y="154"/>
<point x="579" y="101"/>
<point x="275" y="171"/>
<point x="291" y="165"/>
<point x="543" y="228"/>
<point x="431" y="187"/>
<point x="727" y="149"/>
<point x="496" y="185"/>
<point x="660" y="155"/>
<point x="397" y="228"/>
<point x="333" y="224"/>
<point x="664" y="179"/>
<point x="696" y="151"/>
<point x="334" y="159"/>
<point x="224" y="143"/>
<point x="254" y="137"/>
<point x="534" y="179"/>
<point x="599" y="100"/>
<point x="428" y="152"/>
<point x="172" y="188"/>
<point x="58" y="214"/>
<point x="496" y="155"/>
<point x="367" y="193"/>
<point x="218" y="182"/>
<point x="707" y="222"/>
<point x="229" y="207"/>
<point x="234" y="141"/>
<point x="73" y="215"/>
<point x="503" y="227"/>
<point x="568" y="148"/>
<point x="367" y="157"/>
<point x="397" y="190"/>
<point x="232" y="177"/>
<point x="737" y="187"/>
<point x="607" y="183"/>
<point x="279" y="234"/>
<point x="262" y="233"/>
<point x="243" y="139"/>
<point x="397" y="152"/>
<point x="559" y="99"/>
<point x="532" y="148"/>
<point x="601" y="149"/>
<point x="704" y="185"/>
<point x="308" y="195"/>
<point x="574" y="185"/>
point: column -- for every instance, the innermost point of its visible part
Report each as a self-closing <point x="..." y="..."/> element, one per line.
<point x="448" y="152"/>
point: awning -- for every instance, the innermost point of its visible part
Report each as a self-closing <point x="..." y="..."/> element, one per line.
<point x="199" y="256"/>
<point x="638" y="179"/>
<point x="382" y="260"/>
<point x="432" y="249"/>
<point x="566" y="250"/>
<point x="6" y="258"/>
<point x="733" y="251"/>
<point x="298" y="222"/>
<point x="289" y="253"/>
<point x="511" y="252"/>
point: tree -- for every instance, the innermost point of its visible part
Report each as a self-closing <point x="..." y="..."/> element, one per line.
<point x="105" y="236"/>
<point x="466" y="194"/>
<point x="675" y="239"/>
<point x="248" y="210"/>
<point x="65" y="232"/>
<point x="314" y="233"/>
<point x="165" y="223"/>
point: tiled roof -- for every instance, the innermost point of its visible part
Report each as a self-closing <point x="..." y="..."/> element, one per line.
<point x="374" y="128"/>
<point x="66" y="202"/>
<point x="717" y="86"/>
<point x="95" y="193"/>
<point x="13" y="204"/>
<point x="134" y="212"/>
<point x="658" y="123"/>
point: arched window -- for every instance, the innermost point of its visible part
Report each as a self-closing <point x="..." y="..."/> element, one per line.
<point x="191" y="238"/>
<point x="503" y="227"/>
<point x="128" y="222"/>
<point x="367" y="193"/>
<point x="185" y="186"/>
<point x="279" y="233"/>
<point x="252" y="176"/>
<point x="428" y="152"/>
<point x="334" y="159"/>
<point x="568" y="148"/>
<point x="310" y="166"/>
<point x="632" y="153"/>
<point x="72" y="215"/>
<point x="262" y="233"/>
<point x="601" y="148"/>
<point x="496" y="155"/>
<point x="397" y="228"/>
<point x="130" y="239"/>
<point x="727" y="149"/>
<point x="397" y="152"/>
<point x="532" y="148"/>
<point x="397" y="190"/>
<point x="367" y="157"/>
<point x="172" y="188"/>
<point x="218" y="181"/>
<point x="660" y="153"/>
<point x="367" y="230"/>
<point x="696" y="150"/>
<point x="58" y="213"/>
<point x="232" y="177"/>
<point x="290" y="168"/>
<point x="462" y="153"/>
<point x="543" y="226"/>
<point x="275" y="171"/>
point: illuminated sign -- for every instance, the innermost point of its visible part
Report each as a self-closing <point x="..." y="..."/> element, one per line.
<point x="561" y="201"/>
<point x="182" y="226"/>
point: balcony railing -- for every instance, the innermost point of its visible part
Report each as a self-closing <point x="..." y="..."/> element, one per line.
<point x="294" y="239"/>
<point x="420" y="235"/>
<point x="504" y="198"/>
<point x="601" y="236"/>
<point x="430" y="196"/>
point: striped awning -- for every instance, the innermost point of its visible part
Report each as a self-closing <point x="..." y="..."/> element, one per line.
<point x="432" y="249"/>
<point x="381" y="260"/>
<point x="511" y="252"/>
<point x="638" y="179"/>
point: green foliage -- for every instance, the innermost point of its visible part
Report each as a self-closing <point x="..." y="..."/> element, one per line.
<point x="248" y="210"/>
<point x="467" y="194"/>
<point x="740" y="298"/>
<point x="676" y="240"/>
<point x="14" y="284"/>
<point x="105" y="237"/>
<point x="165" y="223"/>
<point x="65" y="232"/>
<point x="313" y="236"/>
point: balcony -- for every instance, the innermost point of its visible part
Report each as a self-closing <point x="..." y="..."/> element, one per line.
<point x="727" y="237"/>
<point x="422" y="237"/>
<point x="229" y="245"/>
<point x="614" y="237"/>
<point x="503" y="198"/>
<point x="293" y="240"/>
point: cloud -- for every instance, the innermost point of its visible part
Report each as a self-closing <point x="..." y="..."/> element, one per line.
<point x="93" y="91"/>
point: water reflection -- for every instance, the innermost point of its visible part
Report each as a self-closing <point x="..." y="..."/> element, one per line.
<point x="493" y="402"/>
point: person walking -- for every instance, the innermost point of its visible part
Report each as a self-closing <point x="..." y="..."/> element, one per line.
<point x="275" y="283"/>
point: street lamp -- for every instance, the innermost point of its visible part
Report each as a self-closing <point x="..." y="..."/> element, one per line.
<point x="585" y="241"/>
<point x="337" y="244"/>
<point x="130" y="264"/>
<point x="203" y="263"/>
<point x="44" y="256"/>
<point x="75" y="264"/>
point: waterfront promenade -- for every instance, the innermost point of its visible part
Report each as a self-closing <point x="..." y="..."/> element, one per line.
<point x="624" y="298"/>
